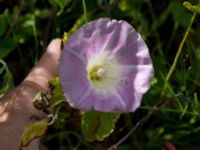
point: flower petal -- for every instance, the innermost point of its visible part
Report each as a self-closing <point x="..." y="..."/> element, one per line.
<point x="73" y="77"/>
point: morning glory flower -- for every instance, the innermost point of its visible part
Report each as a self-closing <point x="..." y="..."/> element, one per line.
<point x="105" y="66"/>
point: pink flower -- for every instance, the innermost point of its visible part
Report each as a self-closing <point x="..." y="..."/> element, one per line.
<point x="105" y="66"/>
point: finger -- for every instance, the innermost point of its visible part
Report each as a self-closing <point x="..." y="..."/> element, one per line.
<point x="1" y="95"/>
<point x="47" y="66"/>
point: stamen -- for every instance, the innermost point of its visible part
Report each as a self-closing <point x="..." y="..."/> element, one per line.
<point x="101" y="72"/>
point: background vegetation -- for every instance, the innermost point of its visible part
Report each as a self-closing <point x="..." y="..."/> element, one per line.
<point x="27" y="26"/>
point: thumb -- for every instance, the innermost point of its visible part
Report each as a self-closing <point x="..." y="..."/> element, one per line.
<point x="46" y="68"/>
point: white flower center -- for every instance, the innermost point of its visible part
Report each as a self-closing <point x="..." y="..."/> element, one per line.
<point x="103" y="71"/>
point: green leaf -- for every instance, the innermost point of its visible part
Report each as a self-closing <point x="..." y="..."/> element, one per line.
<point x="96" y="126"/>
<point x="34" y="130"/>
<point x="57" y="93"/>
<point x="154" y="81"/>
<point x="7" y="45"/>
<point x="3" y="25"/>
<point x="7" y="77"/>
<point x="3" y="21"/>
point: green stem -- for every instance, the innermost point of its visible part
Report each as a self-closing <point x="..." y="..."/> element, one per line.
<point x="177" y="55"/>
<point x="85" y="11"/>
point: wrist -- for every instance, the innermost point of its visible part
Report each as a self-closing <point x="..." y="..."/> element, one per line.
<point x="17" y="108"/>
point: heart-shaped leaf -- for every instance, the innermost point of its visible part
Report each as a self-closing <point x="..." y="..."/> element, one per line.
<point x="96" y="126"/>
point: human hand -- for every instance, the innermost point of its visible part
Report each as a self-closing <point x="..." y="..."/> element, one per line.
<point x="16" y="106"/>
